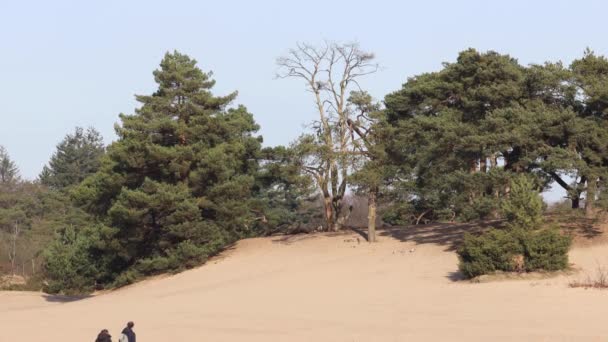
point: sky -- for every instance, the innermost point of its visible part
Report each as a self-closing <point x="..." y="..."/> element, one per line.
<point x="80" y="63"/>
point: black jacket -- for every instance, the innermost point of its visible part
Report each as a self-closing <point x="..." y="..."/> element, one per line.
<point x="130" y="334"/>
<point x="104" y="337"/>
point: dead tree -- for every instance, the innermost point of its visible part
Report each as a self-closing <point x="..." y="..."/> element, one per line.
<point x="12" y="253"/>
<point x="329" y="72"/>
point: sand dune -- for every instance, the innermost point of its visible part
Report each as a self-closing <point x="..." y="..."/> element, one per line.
<point x="326" y="288"/>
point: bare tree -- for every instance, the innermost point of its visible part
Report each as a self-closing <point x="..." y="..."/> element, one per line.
<point x="330" y="72"/>
<point x="12" y="252"/>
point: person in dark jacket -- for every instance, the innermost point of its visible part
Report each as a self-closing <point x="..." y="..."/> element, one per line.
<point x="128" y="332"/>
<point x="104" y="336"/>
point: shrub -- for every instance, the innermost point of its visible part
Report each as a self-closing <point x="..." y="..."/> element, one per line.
<point x="546" y="250"/>
<point x="468" y="214"/>
<point x="126" y="278"/>
<point x="492" y="251"/>
<point x="398" y="214"/>
<point x="154" y="265"/>
<point x="68" y="263"/>
<point x="481" y="208"/>
<point x="513" y="250"/>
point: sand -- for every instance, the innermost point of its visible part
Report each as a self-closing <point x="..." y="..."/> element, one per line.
<point x="326" y="288"/>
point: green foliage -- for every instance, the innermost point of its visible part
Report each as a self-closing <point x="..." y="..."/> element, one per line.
<point x="502" y="250"/>
<point x="453" y="131"/>
<point x="186" y="177"/>
<point x="546" y="250"/>
<point x="490" y="252"/>
<point x="29" y="215"/>
<point x="524" y="206"/>
<point x="498" y="250"/>
<point x="287" y="197"/>
<point x="69" y="264"/>
<point x="479" y="209"/>
<point x="398" y="214"/>
<point x="438" y="143"/>
<point x="78" y="156"/>
<point x="9" y="172"/>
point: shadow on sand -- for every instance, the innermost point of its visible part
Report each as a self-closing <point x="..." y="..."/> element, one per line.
<point x="582" y="227"/>
<point x="455" y="276"/>
<point x="64" y="299"/>
<point x="449" y="235"/>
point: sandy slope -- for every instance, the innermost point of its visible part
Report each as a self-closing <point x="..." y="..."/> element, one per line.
<point x="326" y="288"/>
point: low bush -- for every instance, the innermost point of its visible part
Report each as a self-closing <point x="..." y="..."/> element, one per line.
<point x="480" y="209"/>
<point x="513" y="250"/>
<point x="495" y="250"/>
<point x="398" y="214"/>
<point x="127" y="278"/>
<point x="68" y="262"/>
<point x="546" y="250"/>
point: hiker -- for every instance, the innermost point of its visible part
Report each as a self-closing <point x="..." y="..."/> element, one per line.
<point x="104" y="336"/>
<point x="128" y="335"/>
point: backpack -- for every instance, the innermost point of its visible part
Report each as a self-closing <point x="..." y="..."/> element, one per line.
<point x="123" y="338"/>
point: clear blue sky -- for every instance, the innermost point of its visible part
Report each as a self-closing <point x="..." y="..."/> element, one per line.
<point x="69" y="63"/>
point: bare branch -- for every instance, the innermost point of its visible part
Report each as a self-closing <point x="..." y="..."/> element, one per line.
<point x="331" y="72"/>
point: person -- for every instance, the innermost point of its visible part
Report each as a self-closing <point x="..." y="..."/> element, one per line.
<point x="128" y="335"/>
<point x="104" y="336"/>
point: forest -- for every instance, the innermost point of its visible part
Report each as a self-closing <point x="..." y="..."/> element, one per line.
<point x="188" y="174"/>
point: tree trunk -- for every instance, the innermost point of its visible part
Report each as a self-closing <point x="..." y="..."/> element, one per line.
<point x="421" y="216"/>
<point x="576" y="201"/>
<point x="338" y="221"/>
<point x="371" y="215"/>
<point x="493" y="161"/>
<point x="495" y="190"/>
<point x="590" y="199"/>
<point x="576" y="196"/>
<point x="13" y="251"/>
<point x="329" y="212"/>
<point x="12" y="265"/>
<point x="473" y="166"/>
<point x="512" y="160"/>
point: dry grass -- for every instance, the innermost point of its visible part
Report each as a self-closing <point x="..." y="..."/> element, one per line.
<point x="11" y="280"/>
<point x="500" y="276"/>
<point x="598" y="280"/>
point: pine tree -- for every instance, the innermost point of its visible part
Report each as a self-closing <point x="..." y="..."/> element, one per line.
<point x="590" y="78"/>
<point x="524" y="206"/>
<point x="460" y="134"/>
<point x="78" y="156"/>
<point x="180" y="182"/>
<point x="372" y="170"/>
<point x="444" y="156"/>
<point x="9" y="172"/>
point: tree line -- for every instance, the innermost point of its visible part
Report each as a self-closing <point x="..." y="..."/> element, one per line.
<point x="188" y="174"/>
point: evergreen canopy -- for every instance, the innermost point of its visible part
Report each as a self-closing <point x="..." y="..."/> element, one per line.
<point x="78" y="155"/>
<point x="458" y="135"/>
<point x="184" y="177"/>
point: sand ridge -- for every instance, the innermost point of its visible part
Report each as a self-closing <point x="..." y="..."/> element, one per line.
<point x="326" y="287"/>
